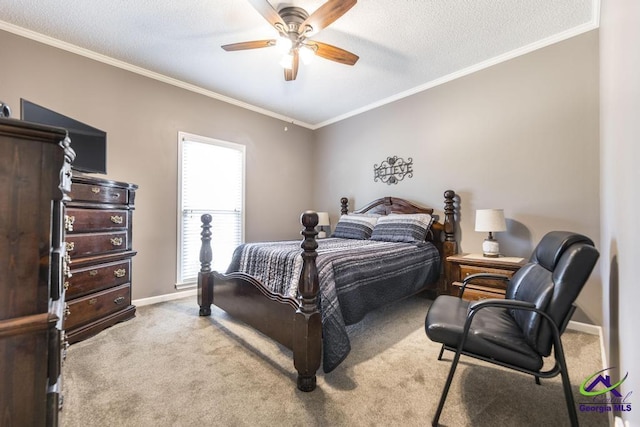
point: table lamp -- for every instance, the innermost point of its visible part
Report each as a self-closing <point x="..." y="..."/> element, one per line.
<point x="323" y="221"/>
<point x="490" y="220"/>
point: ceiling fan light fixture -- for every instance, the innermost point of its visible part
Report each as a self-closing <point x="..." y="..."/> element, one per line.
<point x="294" y="27"/>
<point x="284" y="44"/>
<point x="287" y="61"/>
<point x="307" y="53"/>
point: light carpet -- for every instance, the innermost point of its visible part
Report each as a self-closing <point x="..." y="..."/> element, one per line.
<point x="170" y="367"/>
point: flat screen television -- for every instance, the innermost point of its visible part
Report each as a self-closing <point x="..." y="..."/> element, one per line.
<point x="89" y="143"/>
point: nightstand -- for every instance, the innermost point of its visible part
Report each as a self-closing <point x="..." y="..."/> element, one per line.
<point x="463" y="265"/>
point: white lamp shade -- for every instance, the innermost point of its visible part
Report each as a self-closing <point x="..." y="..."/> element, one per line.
<point x="323" y="219"/>
<point x="491" y="220"/>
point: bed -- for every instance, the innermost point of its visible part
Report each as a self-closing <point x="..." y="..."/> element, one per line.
<point x="303" y="295"/>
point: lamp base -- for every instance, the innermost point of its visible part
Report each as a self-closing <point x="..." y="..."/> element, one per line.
<point x="322" y="234"/>
<point x="490" y="248"/>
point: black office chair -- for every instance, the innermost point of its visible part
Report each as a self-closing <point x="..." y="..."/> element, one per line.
<point x="519" y="331"/>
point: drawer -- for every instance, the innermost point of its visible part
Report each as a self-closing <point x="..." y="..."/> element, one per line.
<point x="98" y="277"/>
<point x="79" y="245"/>
<point x="95" y="306"/>
<point x="474" y="292"/>
<point x="467" y="270"/>
<point x="98" y="193"/>
<point x="83" y="220"/>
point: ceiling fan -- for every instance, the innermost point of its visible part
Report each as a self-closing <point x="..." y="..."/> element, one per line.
<point x="295" y="26"/>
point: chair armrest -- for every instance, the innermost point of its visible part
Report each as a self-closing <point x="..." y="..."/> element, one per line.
<point x="504" y="303"/>
<point x="481" y="276"/>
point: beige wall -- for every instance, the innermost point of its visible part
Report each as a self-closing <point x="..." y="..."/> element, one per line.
<point x="142" y="118"/>
<point x="620" y="154"/>
<point x="521" y="135"/>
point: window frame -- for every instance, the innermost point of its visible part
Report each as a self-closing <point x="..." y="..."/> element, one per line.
<point x="182" y="137"/>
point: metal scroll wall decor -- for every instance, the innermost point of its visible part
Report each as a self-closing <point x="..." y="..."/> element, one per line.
<point x="393" y="170"/>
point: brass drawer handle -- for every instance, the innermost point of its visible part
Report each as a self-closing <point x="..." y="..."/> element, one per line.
<point x="116" y="241"/>
<point x="116" y="219"/>
<point x="66" y="270"/>
<point x="67" y="311"/>
<point x="92" y="301"/>
<point x="93" y="273"/>
<point x="68" y="222"/>
<point x="70" y="246"/>
<point x="64" y="345"/>
<point x="118" y="300"/>
<point x="95" y="190"/>
<point x="66" y="285"/>
<point x="121" y="272"/>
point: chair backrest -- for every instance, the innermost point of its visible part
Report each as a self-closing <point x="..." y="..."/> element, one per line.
<point x="556" y="273"/>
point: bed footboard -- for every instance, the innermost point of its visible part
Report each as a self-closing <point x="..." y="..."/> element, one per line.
<point x="295" y="323"/>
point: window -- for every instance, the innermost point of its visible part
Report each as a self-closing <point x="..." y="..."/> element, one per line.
<point x="211" y="174"/>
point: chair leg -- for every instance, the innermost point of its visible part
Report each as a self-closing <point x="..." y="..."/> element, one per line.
<point x="447" y="385"/>
<point x="537" y="379"/>
<point x="566" y="385"/>
<point x="441" y="351"/>
<point x="571" y="407"/>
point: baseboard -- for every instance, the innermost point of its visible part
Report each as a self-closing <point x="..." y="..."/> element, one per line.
<point x="162" y="298"/>
<point x="585" y="327"/>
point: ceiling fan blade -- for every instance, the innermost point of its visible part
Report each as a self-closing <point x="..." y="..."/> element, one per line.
<point x="256" y="44"/>
<point x="325" y="15"/>
<point x="333" y="53"/>
<point x="290" y="74"/>
<point x="270" y="14"/>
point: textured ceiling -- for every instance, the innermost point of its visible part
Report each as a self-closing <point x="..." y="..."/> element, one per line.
<point x="404" y="45"/>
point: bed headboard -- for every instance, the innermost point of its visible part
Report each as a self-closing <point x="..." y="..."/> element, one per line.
<point x="442" y="232"/>
<point x="385" y="206"/>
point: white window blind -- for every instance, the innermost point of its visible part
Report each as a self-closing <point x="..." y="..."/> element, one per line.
<point x="211" y="181"/>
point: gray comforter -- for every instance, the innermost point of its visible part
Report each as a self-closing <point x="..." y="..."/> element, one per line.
<point x="356" y="276"/>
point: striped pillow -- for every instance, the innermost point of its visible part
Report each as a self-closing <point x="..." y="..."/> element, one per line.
<point x="407" y="228"/>
<point x="355" y="226"/>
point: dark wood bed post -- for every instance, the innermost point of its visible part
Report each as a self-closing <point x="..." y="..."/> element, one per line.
<point x="205" y="275"/>
<point x="307" y="331"/>
<point x="344" y="206"/>
<point x="450" y="245"/>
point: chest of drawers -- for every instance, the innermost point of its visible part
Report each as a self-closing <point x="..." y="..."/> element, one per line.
<point x="34" y="183"/>
<point x="98" y="223"/>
